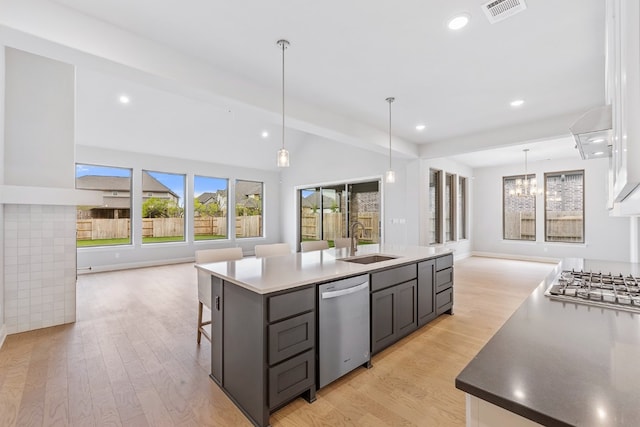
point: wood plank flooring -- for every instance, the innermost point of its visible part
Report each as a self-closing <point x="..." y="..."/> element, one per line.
<point x="131" y="358"/>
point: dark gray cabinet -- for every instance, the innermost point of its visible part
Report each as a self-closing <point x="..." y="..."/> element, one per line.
<point x="216" y="329"/>
<point x="407" y="297"/>
<point x="426" y="292"/>
<point x="444" y="285"/>
<point x="263" y="347"/>
<point x="393" y="305"/>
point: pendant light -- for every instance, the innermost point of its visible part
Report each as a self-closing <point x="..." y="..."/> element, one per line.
<point x="527" y="186"/>
<point x="390" y="176"/>
<point x="283" y="154"/>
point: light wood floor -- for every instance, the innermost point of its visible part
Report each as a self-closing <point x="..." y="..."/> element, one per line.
<point x="132" y="359"/>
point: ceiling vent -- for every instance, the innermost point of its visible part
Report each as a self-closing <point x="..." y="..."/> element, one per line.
<point x="498" y="10"/>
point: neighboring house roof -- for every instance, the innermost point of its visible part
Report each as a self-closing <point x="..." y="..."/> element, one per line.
<point x="121" y="183"/>
<point x="207" y="197"/>
<point x="244" y="191"/>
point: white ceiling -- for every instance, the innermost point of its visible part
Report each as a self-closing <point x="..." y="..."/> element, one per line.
<point x="346" y="57"/>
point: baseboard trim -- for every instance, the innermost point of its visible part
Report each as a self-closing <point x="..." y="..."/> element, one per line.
<point x="130" y="265"/>
<point x="3" y="334"/>
<point x="546" y="260"/>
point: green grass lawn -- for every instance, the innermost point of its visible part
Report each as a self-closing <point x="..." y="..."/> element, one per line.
<point x="126" y="241"/>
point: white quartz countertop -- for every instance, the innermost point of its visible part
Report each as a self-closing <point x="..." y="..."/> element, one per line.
<point x="266" y="275"/>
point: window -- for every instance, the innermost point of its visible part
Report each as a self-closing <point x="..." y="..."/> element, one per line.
<point x="449" y="207"/>
<point x="518" y="210"/>
<point x="564" y="206"/>
<point x="110" y="222"/>
<point x="325" y="212"/>
<point x="163" y="211"/>
<point x="248" y="209"/>
<point x="434" y="206"/>
<point x="462" y="208"/>
<point x="210" y="208"/>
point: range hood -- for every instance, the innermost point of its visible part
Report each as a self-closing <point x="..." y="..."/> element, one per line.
<point x="592" y="133"/>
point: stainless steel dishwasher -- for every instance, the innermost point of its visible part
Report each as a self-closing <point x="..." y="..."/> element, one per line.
<point x="343" y="318"/>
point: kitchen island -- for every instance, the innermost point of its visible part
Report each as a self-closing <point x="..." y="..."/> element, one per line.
<point x="265" y="316"/>
<point x="558" y="363"/>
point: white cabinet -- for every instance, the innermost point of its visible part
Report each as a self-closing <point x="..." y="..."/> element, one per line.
<point x="623" y="93"/>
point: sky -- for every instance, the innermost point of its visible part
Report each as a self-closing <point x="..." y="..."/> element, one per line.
<point x="176" y="182"/>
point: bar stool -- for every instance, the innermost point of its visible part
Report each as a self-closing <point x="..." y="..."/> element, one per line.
<point x="314" y="245"/>
<point x="204" y="281"/>
<point x="263" y="251"/>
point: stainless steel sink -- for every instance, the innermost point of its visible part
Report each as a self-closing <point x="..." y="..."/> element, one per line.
<point x="368" y="259"/>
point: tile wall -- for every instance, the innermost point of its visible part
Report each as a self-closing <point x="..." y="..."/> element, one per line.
<point x="40" y="266"/>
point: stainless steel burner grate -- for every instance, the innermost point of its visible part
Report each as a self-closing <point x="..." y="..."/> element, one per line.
<point x="605" y="290"/>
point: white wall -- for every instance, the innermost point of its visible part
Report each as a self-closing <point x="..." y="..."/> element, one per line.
<point x="322" y="161"/>
<point x="137" y="255"/>
<point x="40" y="117"/>
<point x="3" y="331"/>
<point x="606" y="237"/>
<point x="461" y="248"/>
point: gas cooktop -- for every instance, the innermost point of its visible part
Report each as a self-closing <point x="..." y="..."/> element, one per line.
<point x="605" y="290"/>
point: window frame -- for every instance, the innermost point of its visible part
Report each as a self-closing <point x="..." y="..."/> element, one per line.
<point x="435" y="226"/>
<point x="153" y="194"/>
<point x="235" y="208"/>
<point x="560" y="173"/>
<point x="504" y="204"/>
<point x="225" y="210"/>
<point x="461" y="208"/>
<point x="130" y="177"/>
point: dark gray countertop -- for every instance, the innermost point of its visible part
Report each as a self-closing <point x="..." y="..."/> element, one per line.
<point x="560" y="363"/>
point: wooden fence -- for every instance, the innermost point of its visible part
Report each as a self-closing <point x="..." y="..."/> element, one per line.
<point x="560" y="226"/>
<point x="97" y="229"/>
<point x="333" y="223"/>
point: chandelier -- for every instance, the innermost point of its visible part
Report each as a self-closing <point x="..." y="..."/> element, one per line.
<point x="526" y="186"/>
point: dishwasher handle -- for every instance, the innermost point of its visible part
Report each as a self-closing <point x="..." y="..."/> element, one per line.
<point x="342" y="292"/>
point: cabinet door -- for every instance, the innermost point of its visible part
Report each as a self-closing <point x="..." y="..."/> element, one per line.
<point x="406" y="305"/>
<point x="426" y="306"/>
<point x="216" y="329"/>
<point x="383" y="328"/>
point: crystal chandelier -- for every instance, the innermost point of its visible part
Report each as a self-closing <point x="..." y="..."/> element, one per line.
<point x="526" y="186"/>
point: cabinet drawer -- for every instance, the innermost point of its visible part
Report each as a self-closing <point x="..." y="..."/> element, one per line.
<point x="444" y="279"/>
<point x="444" y="262"/>
<point x="444" y="301"/>
<point x="291" y="378"/>
<point x="393" y="276"/>
<point x="291" y="336"/>
<point x="291" y="303"/>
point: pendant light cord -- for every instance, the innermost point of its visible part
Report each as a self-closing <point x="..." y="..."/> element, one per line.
<point x="390" y="100"/>
<point x="284" y="46"/>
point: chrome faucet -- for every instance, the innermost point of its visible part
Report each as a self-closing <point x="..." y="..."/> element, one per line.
<point x="354" y="236"/>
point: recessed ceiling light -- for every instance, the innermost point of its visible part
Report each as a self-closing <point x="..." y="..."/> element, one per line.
<point x="265" y="134"/>
<point x="421" y="127"/>
<point x="517" y="102"/>
<point x="124" y="99"/>
<point x="459" y="21"/>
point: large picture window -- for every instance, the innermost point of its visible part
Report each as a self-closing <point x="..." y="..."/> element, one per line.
<point x="249" y="205"/>
<point x="435" y="177"/>
<point x="162" y="207"/>
<point x="110" y="222"/>
<point x="564" y="206"/>
<point x="518" y="210"/>
<point x="210" y="208"/>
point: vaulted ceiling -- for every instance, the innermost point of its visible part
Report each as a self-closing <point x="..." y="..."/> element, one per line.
<point x="345" y="58"/>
